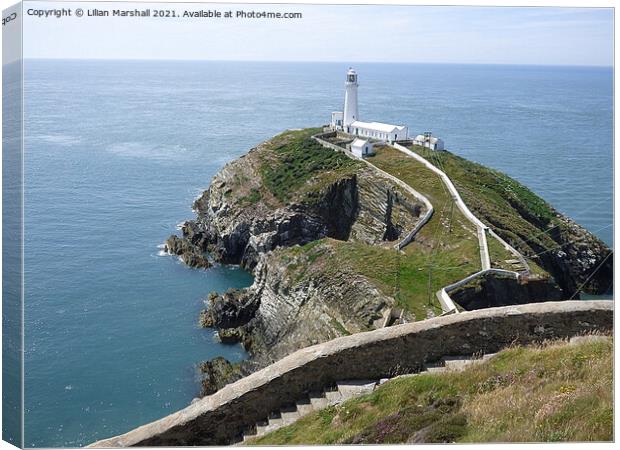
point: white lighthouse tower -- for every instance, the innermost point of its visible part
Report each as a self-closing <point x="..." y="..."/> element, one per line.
<point x="350" y="99"/>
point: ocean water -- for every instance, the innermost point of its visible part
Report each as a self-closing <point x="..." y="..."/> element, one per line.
<point x="116" y="151"/>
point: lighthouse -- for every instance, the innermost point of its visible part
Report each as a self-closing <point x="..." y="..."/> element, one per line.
<point x="350" y="99"/>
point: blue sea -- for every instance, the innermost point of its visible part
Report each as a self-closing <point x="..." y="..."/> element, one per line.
<point x="116" y="151"/>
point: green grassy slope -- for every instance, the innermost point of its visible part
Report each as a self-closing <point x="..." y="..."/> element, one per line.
<point x="297" y="166"/>
<point x="555" y="392"/>
<point x="514" y="211"/>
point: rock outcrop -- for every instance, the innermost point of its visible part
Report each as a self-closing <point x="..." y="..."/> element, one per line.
<point x="191" y="254"/>
<point x="216" y="374"/>
<point x="579" y="259"/>
<point x="492" y="290"/>
<point x="239" y="221"/>
<point x="362" y="206"/>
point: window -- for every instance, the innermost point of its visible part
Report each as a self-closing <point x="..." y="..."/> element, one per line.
<point x="351" y="78"/>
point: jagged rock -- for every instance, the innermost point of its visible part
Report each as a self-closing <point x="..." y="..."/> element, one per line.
<point x="231" y="310"/>
<point x="230" y="335"/>
<point x="191" y="255"/>
<point x="205" y="320"/>
<point x="217" y="373"/>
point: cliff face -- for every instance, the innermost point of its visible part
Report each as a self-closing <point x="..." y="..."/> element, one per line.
<point x="492" y="291"/>
<point x="299" y="299"/>
<point x="577" y="259"/>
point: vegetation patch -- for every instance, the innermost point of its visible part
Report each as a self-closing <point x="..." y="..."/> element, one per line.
<point x="299" y="164"/>
<point x="253" y="197"/>
<point x="515" y="212"/>
<point x="559" y="391"/>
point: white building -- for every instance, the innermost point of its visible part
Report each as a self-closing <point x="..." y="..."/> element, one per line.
<point x="429" y="141"/>
<point x="337" y="120"/>
<point x="377" y="130"/>
<point x="361" y="148"/>
<point x="348" y="121"/>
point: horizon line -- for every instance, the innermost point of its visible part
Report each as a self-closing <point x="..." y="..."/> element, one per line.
<point x="316" y="61"/>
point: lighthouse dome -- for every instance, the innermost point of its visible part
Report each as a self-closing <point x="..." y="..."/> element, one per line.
<point x="351" y="75"/>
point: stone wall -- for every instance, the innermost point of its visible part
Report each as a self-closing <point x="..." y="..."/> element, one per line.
<point x="381" y="353"/>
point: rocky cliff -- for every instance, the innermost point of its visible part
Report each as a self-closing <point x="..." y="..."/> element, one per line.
<point x="317" y="230"/>
<point x="492" y="290"/>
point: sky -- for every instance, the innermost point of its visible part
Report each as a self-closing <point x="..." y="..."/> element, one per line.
<point x="452" y="34"/>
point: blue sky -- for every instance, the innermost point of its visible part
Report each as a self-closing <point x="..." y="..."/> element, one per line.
<point x="485" y="35"/>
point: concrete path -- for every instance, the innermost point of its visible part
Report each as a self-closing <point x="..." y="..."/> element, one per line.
<point x="485" y="259"/>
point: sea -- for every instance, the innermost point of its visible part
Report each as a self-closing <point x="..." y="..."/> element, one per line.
<point x="115" y="153"/>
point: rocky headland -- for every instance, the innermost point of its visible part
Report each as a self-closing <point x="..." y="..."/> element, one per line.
<point x="317" y="230"/>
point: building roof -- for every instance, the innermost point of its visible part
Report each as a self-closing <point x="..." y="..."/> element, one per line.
<point x="378" y="126"/>
<point x="359" y="142"/>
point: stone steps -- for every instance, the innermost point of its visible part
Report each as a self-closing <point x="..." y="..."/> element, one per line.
<point x="342" y="391"/>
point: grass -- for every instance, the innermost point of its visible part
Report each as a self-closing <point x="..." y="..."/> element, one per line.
<point x="405" y="275"/>
<point x="516" y="213"/>
<point x="298" y="164"/>
<point x="445" y="250"/>
<point x="447" y="219"/>
<point x="554" y="392"/>
<point x="384" y="267"/>
<point x="513" y="211"/>
<point x="499" y="255"/>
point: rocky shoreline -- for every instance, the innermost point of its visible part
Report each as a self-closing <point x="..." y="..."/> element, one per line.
<point x="291" y="242"/>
